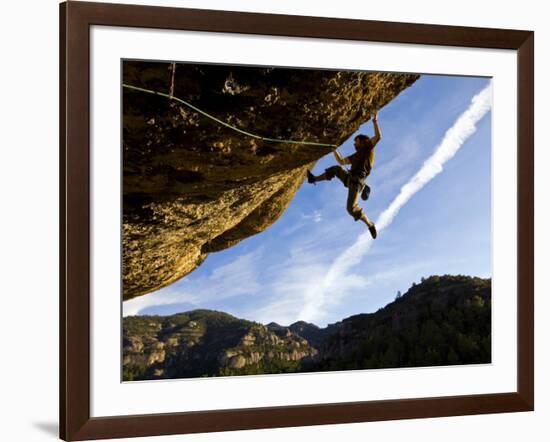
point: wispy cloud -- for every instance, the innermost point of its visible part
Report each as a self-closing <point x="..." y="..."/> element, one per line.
<point x="306" y="219"/>
<point x="237" y="278"/>
<point x="396" y="170"/>
<point x="456" y="135"/>
<point x="315" y="216"/>
<point x="464" y="127"/>
<point x="167" y="296"/>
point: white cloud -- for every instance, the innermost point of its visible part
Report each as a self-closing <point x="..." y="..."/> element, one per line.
<point x="305" y="220"/>
<point x="316" y="216"/>
<point x="165" y="296"/>
<point x="454" y="138"/>
<point x="239" y="277"/>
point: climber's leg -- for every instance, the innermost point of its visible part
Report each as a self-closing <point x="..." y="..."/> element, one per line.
<point x="370" y="225"/>
<point x="312" y="178"/>
<point x="330" y="173"/>
<point x="353" y="207"/>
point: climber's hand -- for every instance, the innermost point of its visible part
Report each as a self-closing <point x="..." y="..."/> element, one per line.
<point x="377" y="133"/>
<point x="339" y="158"/>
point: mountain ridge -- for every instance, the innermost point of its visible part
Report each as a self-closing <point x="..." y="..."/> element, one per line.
<point x="443" y="320"/>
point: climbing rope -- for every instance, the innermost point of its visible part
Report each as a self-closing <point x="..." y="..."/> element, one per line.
<point x="223" y="123"/>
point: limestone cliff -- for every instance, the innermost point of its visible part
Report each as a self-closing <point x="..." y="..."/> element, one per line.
<point x="192" y="186"/>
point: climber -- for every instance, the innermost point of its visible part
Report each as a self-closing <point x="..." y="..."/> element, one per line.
<point x="354" y="179"/>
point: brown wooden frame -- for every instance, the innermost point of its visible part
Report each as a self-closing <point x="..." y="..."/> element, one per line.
<point x="75" y="20"/>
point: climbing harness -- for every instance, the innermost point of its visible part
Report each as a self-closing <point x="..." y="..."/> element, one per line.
<point x="223" y="123"/>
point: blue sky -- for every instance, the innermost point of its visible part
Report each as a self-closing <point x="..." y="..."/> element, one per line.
<point x="305" y="266"/>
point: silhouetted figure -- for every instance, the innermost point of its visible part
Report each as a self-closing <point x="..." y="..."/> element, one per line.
<point x="354" y="179"/>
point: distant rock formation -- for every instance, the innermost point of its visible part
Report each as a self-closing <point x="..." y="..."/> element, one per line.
<point x="207" y="343"/>
<point x="444" y="320"/>
<point x="192" y="186"/>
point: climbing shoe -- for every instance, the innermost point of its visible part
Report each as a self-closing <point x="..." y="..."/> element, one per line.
<point x="365" y="192"/>
<point x="372" y="230"/>
<point x="310" y="177"/>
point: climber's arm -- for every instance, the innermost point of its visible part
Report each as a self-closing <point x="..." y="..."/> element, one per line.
<point x="377" y="133"/>
<point x="340" y="159"/>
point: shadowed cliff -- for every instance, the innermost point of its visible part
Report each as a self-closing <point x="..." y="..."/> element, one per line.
<point x="192" y="186"/>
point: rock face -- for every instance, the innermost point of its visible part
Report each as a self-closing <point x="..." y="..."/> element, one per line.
<point x="192" y="186"/>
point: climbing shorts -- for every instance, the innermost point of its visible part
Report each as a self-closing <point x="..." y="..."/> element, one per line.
<point x="344" y="176"/>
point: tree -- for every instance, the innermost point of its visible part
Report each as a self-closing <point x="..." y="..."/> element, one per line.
<point x="452" y="357"/>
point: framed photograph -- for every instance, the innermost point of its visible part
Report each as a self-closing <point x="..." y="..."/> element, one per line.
<point x="275" y="220"/>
